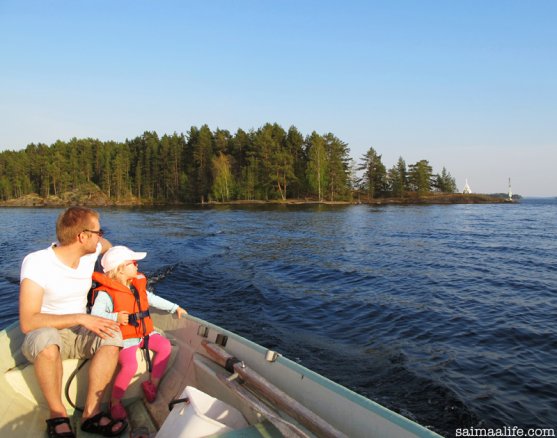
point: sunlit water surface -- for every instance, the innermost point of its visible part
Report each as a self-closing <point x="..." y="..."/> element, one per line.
<point x="446" y="314"/>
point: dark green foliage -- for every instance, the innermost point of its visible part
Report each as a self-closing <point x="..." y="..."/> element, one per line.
<point x="374" y="179"/>
<point x="421" y="177"/>
<point x="201" y="145"/>
<point x="444" y="182"/>
<point x="397" y="179"/>
<point x="338" y="170"/>
<point x="295" y="148"/>
<point x="264" y="164"/>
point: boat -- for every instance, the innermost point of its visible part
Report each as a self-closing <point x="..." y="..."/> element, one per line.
<point x="467" y="190"/>
<point x="217" y="383"/>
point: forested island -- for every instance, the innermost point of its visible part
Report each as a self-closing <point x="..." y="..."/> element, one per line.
<point x="202" y="166"/>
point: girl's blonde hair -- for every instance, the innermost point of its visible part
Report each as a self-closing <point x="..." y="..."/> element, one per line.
<point x="113" y="273"/>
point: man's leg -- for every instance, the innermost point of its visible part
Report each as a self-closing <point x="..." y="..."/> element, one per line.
<point x="101" y="371"/>
<point x="42" y="347"/>
<point x="48" y="369"/>
<point x="104" y="360"/>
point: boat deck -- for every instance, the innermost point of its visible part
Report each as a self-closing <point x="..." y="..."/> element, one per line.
<point x="273" y="394"/>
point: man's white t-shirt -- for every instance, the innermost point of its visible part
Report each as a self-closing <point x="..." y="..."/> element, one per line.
<point x="65" y="288"/>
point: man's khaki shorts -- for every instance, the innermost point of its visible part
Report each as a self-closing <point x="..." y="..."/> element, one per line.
<point x="75" y="342"/>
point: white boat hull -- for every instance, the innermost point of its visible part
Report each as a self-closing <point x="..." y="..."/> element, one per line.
<point x="23" y="409"/>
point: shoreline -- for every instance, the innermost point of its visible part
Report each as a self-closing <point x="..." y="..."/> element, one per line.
<point x="68" y="199"/>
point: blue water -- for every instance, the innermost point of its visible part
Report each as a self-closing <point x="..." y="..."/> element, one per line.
<point x="446" y="314"/>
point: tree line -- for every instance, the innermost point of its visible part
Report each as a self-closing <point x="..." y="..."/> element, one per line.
<point x="269" y="163"/>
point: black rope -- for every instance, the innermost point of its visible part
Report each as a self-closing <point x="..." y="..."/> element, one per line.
<point x="230" y="362"/>
<point x="69" y="382"/>
<point x="146" y="351"/>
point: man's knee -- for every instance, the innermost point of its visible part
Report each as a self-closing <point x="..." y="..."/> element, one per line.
<point x="45" y="342"/>
<point x="105" y="359"/>
<point x="115" y="341"/>
<point x="107" y="353"/>
<point x="89" y="344"/>
<point x="50" y="353"/>
<point x="111" y="351"/>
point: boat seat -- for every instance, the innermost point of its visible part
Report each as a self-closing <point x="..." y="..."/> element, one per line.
<point x="22" y="379"/>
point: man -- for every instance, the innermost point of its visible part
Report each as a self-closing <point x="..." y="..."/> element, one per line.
<point x="52" y="314"/>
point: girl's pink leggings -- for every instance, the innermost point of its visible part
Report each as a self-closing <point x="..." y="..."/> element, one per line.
<point x="128" y="363"/>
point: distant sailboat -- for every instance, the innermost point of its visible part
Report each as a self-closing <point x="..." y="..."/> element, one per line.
<point x="510" y="191"/>
<point x="467" y="190"/>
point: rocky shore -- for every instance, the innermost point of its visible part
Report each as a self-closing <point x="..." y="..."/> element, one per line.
<point x="96" y="198"/>
<point x="87" y="195"/>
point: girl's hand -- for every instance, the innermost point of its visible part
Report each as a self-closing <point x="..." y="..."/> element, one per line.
<point x="181" y="312"/>
<point x="123" y="317"/>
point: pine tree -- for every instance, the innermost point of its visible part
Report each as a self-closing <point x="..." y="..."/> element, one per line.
<point x="444" y="182"/>
<point x="420" y="177"/>
<point x="295" y="149"/>
<point x="337" y="168"/>
<point x="397" y="179"/>
<point x="120" y="170"/>
<point x="242" y="151"/>
<point x="265" y="164"/>
<point x="202" y="155"/>
<point x="374" y="179"/>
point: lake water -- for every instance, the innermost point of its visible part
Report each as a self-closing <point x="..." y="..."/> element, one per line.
<point x="446" y="314"/>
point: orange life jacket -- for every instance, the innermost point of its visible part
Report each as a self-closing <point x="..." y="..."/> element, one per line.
<point x="123" y="299"/>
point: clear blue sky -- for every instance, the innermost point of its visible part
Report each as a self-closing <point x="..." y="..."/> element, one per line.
<point x="469" y="85"/>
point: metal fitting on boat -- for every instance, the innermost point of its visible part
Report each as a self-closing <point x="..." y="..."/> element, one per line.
<point x="271" y="356"/>
<point x="232" y="377"/>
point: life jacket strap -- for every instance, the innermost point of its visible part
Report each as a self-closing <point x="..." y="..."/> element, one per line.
<point x="134" y="318"/>
<point x="145" y="348"/>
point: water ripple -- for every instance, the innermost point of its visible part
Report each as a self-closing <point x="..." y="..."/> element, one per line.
<point x="442" y="313"/>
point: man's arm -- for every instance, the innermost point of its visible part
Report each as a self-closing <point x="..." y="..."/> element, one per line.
<point x="31" y="318"/>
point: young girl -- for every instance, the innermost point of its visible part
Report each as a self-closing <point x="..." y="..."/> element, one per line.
<point x="122" y="296"/>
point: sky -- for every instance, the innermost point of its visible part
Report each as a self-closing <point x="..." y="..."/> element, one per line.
<point x="467" y="85"/>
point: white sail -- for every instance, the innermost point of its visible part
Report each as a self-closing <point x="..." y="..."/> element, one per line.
<point x="467" y="190"/>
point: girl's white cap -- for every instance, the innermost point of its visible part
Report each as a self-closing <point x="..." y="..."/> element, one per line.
<point x="117" y="255"/>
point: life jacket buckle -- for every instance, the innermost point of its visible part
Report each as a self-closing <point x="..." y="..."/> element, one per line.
<point x="132" y="319"/>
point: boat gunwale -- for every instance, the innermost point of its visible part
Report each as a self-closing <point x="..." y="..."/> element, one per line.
<point x="336" y="388"/>
<point x="340" y="390"/>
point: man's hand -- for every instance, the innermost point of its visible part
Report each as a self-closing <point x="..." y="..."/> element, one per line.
<point x="106" y="245"/>
<point x="102" y="327"/>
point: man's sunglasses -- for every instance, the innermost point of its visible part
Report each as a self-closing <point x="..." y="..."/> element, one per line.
<point x="100" y="232"/>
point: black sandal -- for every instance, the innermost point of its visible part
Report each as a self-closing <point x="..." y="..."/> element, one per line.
<point x="93" y="425"/>
<point x="51" y="424"/>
